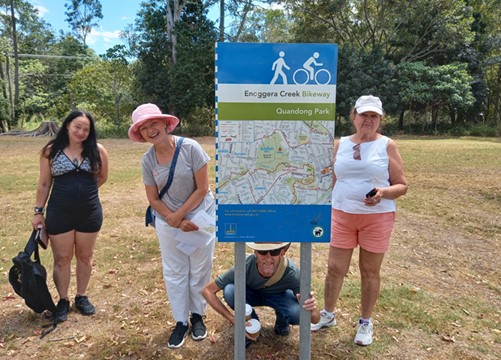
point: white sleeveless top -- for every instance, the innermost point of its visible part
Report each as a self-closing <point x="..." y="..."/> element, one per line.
<point x="355" y="178"/>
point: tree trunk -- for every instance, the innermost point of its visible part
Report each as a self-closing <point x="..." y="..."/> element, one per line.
<point x="169" y="16"/>
<point x="247" y="8"/>
<point x="9" y="84"/>
<point x="401" y="120"/>
<point x="2" y="77"/>
<point x="118" y="99"/>
<point x="221" y="21"/>
<point x="452" y="115"/>
<point x="46" y="128"/>
<point x="497" y="110"/>
<point x="434" y="117"/>
<point x="16" y="60"/>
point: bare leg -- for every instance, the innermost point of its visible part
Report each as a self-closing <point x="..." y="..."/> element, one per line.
<point x="338" y="266"/>
<point x="62" y="251"/>
<point x="370" y="265"/>
<point x="84" y="250"/>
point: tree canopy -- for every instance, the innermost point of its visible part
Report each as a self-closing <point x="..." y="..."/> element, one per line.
<point x="82" y="16"/>
<point x="435" y="63"/>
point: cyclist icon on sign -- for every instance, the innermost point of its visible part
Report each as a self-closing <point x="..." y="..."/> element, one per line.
<point x="308" y="73"/>
<point x="312" y="61"/>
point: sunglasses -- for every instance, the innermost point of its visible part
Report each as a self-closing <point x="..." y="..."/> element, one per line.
<point x="275" y="252"/>
<point x="356" y="152"/>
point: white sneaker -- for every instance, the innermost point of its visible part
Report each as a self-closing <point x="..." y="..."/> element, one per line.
<point x="325" y="321"/>
<point x="364" y="333"/>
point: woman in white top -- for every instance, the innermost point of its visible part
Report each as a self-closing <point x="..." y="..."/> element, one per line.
<point x="368" y="177"/>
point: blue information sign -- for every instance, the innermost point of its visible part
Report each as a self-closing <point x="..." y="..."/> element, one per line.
<point x="275" y="133"/>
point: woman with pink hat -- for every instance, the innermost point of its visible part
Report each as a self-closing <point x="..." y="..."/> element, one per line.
<point x="186" y="268"/>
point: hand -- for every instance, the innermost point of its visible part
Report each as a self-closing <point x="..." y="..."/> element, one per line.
<point x="174" y="220"/>
<point x="187" y="225"/>
<point x="251" y="337"/>
<point x="374" y="200"/>
<point x="38" y="221"/>
<point x="310" y="304"/>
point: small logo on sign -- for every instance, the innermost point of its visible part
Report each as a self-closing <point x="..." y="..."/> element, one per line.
<point x="318" y="232"/>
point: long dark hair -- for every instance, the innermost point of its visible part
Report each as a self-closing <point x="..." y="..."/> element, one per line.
<point x="62" y="140"/>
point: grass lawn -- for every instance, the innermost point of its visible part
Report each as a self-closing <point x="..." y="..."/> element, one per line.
<point x="441" y="279"/>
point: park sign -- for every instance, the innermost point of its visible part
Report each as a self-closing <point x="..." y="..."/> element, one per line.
<point x="275" y="112"/>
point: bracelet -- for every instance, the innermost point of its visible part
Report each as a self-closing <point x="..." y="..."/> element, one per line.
<point x="38" y="213"/>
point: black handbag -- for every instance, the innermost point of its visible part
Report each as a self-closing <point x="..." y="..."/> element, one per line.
<point x="29" y="280"/>
<point x="149" y="217"/>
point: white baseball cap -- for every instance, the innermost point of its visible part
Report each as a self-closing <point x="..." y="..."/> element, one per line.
<point x="369" y="103"/>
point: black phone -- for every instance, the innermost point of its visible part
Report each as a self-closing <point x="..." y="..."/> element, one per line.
<point x="371" y="193"/>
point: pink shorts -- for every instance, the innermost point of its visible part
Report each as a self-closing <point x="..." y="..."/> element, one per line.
<point x="371" y="231"/>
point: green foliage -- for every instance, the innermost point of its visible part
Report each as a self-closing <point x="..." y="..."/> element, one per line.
<point x="33" y="97"/>
<point x="192" y="77"/>
<point x="71" y="56"/>
<point x="82" y="16"/>
<point x="263" y="25"/>
<point x="411" y="54"/>
<point x="200" y="122"/>
<point x="151" y="81"/>
<point x="33" y="33"/>
<point x="363" y="72"/>
<point x="107" y="130"/>
<point x="484" y="130"/>
<point x="106" y="86"/>
<point x="425" y="87"/>
<point x="182" y="87"/>
<point x="408" y="31"/>
<point x="437" y="34"/>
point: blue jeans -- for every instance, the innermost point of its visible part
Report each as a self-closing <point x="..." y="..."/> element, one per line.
<point x="285" y="303"/>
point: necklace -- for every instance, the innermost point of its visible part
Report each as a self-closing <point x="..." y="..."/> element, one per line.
<point x="75" y="159"/>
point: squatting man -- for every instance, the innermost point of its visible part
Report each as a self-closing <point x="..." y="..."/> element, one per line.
<point x="272" y="280"/>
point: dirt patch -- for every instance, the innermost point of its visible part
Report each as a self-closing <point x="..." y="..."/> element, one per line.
<point x="441" y="284"/>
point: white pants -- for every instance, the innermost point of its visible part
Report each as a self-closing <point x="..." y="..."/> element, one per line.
<point x="184" y="276"/>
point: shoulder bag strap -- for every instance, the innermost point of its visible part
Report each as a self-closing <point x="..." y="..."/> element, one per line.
<point x="172" y="167"/>
<point x="32" y="247"/>
<point x="279" y="273"/>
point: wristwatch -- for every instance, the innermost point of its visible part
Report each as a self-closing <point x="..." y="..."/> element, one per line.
<point x="38" y="210"/>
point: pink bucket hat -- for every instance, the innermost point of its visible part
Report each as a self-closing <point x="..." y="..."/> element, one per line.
<point x="147" y="112"/>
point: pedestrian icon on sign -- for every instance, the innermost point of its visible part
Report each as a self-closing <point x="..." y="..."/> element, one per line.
<point x="277" y="67"/>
